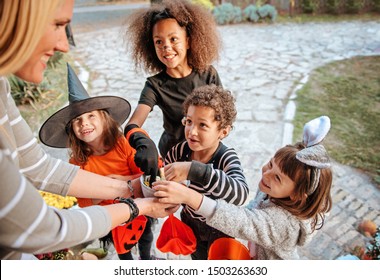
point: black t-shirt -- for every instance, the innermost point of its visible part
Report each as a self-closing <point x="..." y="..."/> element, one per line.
<point x="169" y="93"/>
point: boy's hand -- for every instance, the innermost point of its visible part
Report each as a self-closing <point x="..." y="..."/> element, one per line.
<point x="177" y="171"/>
<point x="176" y="193"/>
<point x="170" y="192"/>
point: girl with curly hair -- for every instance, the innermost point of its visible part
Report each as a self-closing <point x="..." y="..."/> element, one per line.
<point x="176" y="41"/>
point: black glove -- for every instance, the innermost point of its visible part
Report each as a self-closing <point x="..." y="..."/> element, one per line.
<point x="146" y="157"/>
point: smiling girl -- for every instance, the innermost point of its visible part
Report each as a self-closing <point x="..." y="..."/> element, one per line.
<point x="90" y="128"/>
<point x="176" y="41"/>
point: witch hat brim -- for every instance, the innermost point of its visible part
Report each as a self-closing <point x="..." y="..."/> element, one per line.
<point x="53" y="132"/>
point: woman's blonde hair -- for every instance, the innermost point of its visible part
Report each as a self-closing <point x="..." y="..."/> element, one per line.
<point x="23" y="22"/>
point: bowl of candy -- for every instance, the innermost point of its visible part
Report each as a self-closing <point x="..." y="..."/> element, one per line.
<point x="146" y="189"/>
<point x="144" y="181"/>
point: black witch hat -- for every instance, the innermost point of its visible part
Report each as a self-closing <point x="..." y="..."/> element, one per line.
<point x="53" y="132"/>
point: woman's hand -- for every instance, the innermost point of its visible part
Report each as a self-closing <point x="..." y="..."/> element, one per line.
<point x="177" y="171"/>
<point x="151" y="207"/>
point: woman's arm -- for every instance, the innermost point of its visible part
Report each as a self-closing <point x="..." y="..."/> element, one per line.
<point x="90" y="185"/>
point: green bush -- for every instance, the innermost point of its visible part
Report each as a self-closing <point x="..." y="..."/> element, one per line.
<point x="376" y="5"/>
<point x="25" y="92"/>
<point x="254" y="13"/>
<point x="227" y="13"/>
<point x="307" y="6"/>
<point x="332" y="7"/>
<point x="267" y="11"/>
<point x="250" y="13"/>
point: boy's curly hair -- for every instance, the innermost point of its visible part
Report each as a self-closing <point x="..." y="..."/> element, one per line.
<point x="214" y="97"/>
<point x="201" y="28"/>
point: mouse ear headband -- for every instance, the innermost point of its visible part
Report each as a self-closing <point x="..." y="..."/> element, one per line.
<point x="315" y="154"/>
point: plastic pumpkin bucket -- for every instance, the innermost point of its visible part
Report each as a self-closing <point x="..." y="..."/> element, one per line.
<point x="228" y="249"/>
<point x="176" y="237"/>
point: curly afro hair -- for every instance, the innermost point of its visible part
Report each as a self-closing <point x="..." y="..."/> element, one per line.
<point x="201" y="28"/>
<point x="217" y="98"/>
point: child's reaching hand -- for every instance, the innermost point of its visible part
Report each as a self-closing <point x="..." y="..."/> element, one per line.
<point x="176" y="193"/>
<point x="177" y="171"/>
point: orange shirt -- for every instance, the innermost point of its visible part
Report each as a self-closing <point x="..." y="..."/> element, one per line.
<point x="119" y="160"/>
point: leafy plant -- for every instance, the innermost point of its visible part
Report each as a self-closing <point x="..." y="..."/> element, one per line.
<point x="332" y="6"/>
<point x="256" y="13"/>
<point x="227" y="13"/>
<point x="307" y="6"/>
<point x="250" y="13"/>
<point x="25" y="92"/>
<point x="267" y="11"/>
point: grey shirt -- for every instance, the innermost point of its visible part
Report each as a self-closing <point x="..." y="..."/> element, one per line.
<point x="272" y="232"/>
<point x="27" y="223"/>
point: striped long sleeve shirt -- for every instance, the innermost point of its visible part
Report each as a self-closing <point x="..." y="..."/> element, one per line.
<point x="221" y="178"/>
<point x="27" y="224"/>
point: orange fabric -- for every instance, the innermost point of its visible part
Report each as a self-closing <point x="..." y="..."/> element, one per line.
<point x="176" y="237"/>
<point x="136" y="129"/>
<point x="226" y="248"/>
<point x="126" y="236"/>
<point x="119" y="160"/>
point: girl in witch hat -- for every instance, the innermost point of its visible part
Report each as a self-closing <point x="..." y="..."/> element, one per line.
<point x="90" y="127"/>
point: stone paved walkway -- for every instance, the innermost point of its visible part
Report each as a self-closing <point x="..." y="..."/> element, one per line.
<point x="264" y="65"/>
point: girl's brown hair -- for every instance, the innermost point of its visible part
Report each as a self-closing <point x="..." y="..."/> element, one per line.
<point x="80" y="151"/>
<point x="201" y="28"/>
<point x="312" y="206"/>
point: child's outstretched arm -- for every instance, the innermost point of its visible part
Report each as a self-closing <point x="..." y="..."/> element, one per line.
<point x="226" y="182"/>
<point x="176" y="193"/>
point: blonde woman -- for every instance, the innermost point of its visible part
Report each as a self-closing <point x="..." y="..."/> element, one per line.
<point x="27" y="225"/>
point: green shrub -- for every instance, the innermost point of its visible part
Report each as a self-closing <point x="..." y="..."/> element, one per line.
<point x="332" y="7"/>
<point x="25" y="92"/>
<point x="375" y="4"/>
<point x="307" y="6"/>
<point x="254" y="13"/>
<point x="227" y="13"/>
<point x="267" y="11"/>
<point x="250" y="13"/>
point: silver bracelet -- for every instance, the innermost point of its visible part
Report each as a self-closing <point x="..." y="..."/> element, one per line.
<point x="131" y="189"/>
